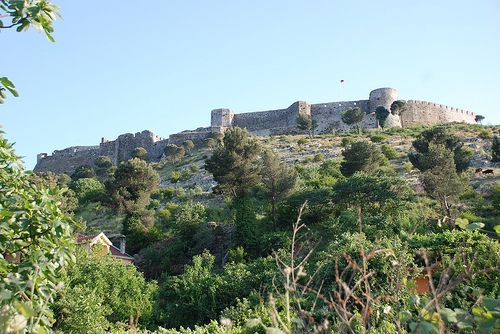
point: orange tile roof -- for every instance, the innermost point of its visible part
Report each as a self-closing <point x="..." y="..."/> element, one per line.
<point x="82" y="237"/>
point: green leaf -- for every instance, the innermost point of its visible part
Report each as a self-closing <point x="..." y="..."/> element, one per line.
<point x="252" y="323"/>
<point x="423" y="327"/>
<point x="449" y="315"/>
<point x="497" y="229"/>
<point x="272" y="330"/>
<point x="491" y="303"/>
<point x="24" y="309"/>
<point x="404" y="316"/>
<point x="465" y="325"/>
<point x="474" y="226"/>
<point x="462" y="222"/>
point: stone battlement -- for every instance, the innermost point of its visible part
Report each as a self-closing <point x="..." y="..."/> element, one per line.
<point x="261" y="123"/>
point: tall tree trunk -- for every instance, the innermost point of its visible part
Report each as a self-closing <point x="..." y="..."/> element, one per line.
<point x="451" y="225"/>
<point x="273" y="202"/>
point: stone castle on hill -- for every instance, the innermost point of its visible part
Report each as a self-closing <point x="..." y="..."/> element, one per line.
<point x="262" y="123"/>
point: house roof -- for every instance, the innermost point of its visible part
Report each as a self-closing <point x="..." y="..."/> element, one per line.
<point x="115" y="252"/>
<point x="92" y="239"/>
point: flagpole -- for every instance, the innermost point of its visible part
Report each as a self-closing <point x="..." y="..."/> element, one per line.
<point x="341" y="81"/>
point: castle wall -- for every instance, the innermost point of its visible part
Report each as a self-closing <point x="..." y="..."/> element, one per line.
<point x="197" y="136"/>
<point x="118" y="150"/>
<point x="68" y="159"/>
<point x="263" y="123"/>
<point x="423" y="112"/>
<point x="328" y="115"/>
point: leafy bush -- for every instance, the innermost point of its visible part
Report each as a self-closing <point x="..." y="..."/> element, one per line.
<point x="175" y="176"/>
<point x="302" y="141"/>
<point x="111" y="290"/>
<point x="319" y="157"/>
<point x="87" y="190"/>
<point x="346" y="141"/>
<point x="308" y="159"/>
<point x="484" y="134"/>
<point x="389" y="152"/>
<point x="408" y="166"/>
<point x="194" y="168"/>
<point x="378" y="138"/>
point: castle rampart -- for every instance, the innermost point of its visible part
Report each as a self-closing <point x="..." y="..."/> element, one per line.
<point x="262" y="123"/>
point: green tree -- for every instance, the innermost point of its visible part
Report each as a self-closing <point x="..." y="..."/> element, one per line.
<point x="353" y="116"/>
<point x="442" y="182"/>
<point x="278" y="179"/>
<point x="389" y="152"/>
<point x="174" y="153"/>
<point x="424" y="159"/>
<point x="398" y="107"/>
<point x="362" y="156"/>
<point x="218" y="137"/>
<point x="87" y="190"/>
<point x="381" y="115"/>
<point x="83" y="171"/>
<point x="374" y="194"/>
<point x="210" y="143"/>
<point x="140" y="153"/>
<point x="104" y="168"/>
<point x="304" y="122"/>
<point x="235" y="166"/>
<point x="103" y="162"/>
<point x="33" y="230"/>
<point x="63" y="179"/>
<point x="130" y="187"/>
<point x="495" y="149"/>
<point x="188" y="145"/>
<point x="479" y="118"/>
<point x="68" y="203"/>
<point x="107" y="288"/>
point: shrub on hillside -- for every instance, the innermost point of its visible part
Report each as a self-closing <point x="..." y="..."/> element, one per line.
<point x="378" y="138"/>
<point x="389" y="152"/>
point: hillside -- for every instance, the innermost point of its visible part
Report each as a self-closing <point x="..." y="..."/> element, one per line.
<point x="330" y="227"/>
<point x="185" y="183"/>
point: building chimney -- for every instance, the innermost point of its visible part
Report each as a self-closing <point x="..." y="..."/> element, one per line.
<point x="122" y="244"/>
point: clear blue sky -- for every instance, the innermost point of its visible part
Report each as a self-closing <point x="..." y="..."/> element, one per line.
<point x="127" y="66"/>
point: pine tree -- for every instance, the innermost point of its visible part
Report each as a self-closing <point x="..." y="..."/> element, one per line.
<point x="495" y="149"/>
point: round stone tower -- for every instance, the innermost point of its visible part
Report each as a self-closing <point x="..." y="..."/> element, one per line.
<point x="382" y="97"/>
<point x="385" y="97"/>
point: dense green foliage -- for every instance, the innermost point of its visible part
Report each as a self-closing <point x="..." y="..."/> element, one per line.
<point x="304" y="122"/>
<point x="424" y="158"/>
<point x="99" y="292"/>
<point x="140" y="153"/>
<point x="33" y="230"/>
<point x="362" y="156"/>
<point x="234" y="165"/>
<point x="381" y="114"/>
<point x="353" y="116"/>
<point x="495" y="149"/>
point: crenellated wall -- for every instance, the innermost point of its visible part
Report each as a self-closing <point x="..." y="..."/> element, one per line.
<point x="262" y="123"/>
<point x="423" y="112"/>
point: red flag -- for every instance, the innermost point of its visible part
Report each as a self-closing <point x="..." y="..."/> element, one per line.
<point x="341" y="81"/>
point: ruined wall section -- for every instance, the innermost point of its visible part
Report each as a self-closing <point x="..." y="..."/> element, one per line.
<point x="423" y="112"/>
<point x="328" y="116"/>
<point x="118" y="150"/>
<point x="265" y="123"/>
<point x="67" y="160"/>
<point x="197" y="136"/>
